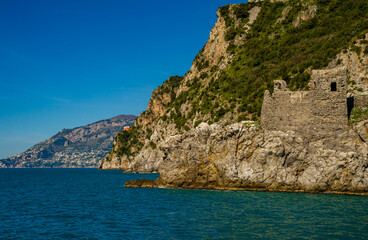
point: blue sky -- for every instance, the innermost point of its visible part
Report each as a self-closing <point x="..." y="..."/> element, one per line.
<point x="67" y="63"/>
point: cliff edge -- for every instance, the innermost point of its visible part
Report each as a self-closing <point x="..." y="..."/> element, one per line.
<point x="229" y="123"/>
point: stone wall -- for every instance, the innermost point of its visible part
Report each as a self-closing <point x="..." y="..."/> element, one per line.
<point x="361" y="101"/>
<point x="317" y="113"/>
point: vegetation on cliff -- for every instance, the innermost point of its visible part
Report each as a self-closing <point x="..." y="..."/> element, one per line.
<point x="277" y="49"/>
<point x="131" y="143"/>
<point x="264" y="41"/>
<point x="358" y="114"/>
<point x="274" y="48"/>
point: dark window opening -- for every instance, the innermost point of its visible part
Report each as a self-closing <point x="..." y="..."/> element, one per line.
<point x="333" y="87"/>
<point x="350" y="102"/>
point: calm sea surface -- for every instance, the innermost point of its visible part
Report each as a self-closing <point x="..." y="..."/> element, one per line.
<point x="92" y="204"/>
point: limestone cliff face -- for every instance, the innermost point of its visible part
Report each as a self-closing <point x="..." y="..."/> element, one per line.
<point x="242" y="156"/>
<point x="194" y="134"/>
<point x="214" y="51"/>
<point x="152" y="128"/>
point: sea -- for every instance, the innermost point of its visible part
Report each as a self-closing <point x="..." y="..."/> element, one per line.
<point x="93" y="204"/>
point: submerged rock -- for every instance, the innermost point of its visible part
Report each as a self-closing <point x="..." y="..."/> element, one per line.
<point x="141" y="183"/>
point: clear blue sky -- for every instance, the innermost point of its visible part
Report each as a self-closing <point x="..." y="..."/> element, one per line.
<point x="67" y="63"/>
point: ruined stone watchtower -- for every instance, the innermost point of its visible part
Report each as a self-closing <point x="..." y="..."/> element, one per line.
<point x="317" y="113"/>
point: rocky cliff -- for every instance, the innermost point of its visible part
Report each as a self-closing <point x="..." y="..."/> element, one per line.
<point x="201" y="130"/>
<point x="242" y="156"/>
<point x="79" y="147"/>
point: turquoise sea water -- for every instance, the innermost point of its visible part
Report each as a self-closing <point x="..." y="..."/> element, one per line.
<point x="92" y="204"/>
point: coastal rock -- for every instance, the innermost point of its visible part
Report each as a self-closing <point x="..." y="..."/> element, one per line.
<point x="141" y="183"/>
<point x="309" y="138"/>
<point x="243" y="156"/>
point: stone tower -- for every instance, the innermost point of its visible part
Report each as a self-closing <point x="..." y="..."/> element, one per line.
<point x="318" y="113"/>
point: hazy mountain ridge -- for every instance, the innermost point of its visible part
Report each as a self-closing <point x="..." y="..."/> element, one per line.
<point x="78" y="147"/>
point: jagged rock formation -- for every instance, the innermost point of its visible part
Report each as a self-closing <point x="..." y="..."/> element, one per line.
<point x="194" y="134"/>
<point x="79" y="147"/>
<point x="243" y="156"/>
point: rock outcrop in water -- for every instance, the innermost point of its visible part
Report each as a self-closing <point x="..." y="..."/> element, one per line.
<point x="202" y="130"/>
<point x="78" y="147"/>
<point x="243" y="156"/>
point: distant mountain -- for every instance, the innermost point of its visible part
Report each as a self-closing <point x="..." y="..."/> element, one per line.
<point x="78" y="147"/>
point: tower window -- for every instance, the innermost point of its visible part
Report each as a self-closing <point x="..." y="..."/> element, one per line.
<point x="333" y="87"/>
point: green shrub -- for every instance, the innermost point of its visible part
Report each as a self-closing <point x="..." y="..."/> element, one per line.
<point x="197" y="123"/>
<point x="358" y="114"/>
<point x="231" y="48"/>
<point x="241" y="118"/>
<point x="231" y="34"/>
<point x="356" y="49"/>
<point x="202" y="64"/>
<point x="179" y="121"/>
<point x="225" y="13"/>
<point x="366" y="50"/>
<point x="203" y="75"/>
<point x="241" y="10"/>
<point x="214" y="68"/>
<point x="152" y="145"/>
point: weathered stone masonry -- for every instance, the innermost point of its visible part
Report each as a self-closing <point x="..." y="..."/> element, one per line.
<point x="317" y="113"/>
